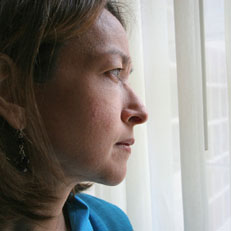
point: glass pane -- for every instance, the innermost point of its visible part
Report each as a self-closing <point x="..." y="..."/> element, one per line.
<point x="217" y="158"/>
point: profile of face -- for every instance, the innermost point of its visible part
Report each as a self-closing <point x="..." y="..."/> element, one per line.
<point x="88" y="107"/>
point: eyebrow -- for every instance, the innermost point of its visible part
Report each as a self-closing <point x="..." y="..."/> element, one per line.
<point x="126" y="59"/>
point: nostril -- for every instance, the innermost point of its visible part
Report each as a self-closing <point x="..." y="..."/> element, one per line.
<point x="134" y="116"/>
<point x="135" y="120"/>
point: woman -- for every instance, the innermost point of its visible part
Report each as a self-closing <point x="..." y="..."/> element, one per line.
<point x="67" y="113"/>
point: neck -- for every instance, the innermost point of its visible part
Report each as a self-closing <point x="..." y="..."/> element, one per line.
<point x="56" y="223"/>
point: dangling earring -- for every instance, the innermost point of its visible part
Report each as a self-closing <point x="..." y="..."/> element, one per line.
<point x="22" y="160"/>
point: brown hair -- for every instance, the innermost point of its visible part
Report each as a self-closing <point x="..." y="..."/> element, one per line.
<point x="31" y="33"/>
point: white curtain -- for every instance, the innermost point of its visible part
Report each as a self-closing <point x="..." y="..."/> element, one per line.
<point x="178" y="176"/>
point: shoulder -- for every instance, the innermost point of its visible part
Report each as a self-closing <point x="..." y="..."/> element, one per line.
<point x="105" y="213"/>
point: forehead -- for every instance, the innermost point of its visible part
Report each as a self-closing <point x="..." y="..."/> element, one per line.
<point x="105" y="37"/>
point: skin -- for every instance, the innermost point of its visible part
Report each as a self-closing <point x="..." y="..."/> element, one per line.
<point x="89" y="109"/>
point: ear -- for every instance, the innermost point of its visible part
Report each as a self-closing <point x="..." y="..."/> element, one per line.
<point x="12" y="113"/>
<point x="6" y="66"/>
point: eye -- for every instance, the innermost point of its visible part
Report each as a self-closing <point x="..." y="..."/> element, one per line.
<point x="115" y="73"/>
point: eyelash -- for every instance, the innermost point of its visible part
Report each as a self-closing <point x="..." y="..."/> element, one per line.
<point x="119" y="70"/>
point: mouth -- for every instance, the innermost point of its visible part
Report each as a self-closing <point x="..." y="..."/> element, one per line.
<point x="126" y="144"/>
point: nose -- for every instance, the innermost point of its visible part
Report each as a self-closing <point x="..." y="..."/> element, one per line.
<point x="134" y="112"/>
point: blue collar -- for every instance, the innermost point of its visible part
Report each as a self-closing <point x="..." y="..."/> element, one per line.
<point x="79" y="215"/>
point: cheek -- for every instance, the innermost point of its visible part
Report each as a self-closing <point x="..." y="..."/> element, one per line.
<point x="102" y="119"/>
<point x="100" y="129"/>
<point x="104" y="104"/>
<point x="103" y="116"/>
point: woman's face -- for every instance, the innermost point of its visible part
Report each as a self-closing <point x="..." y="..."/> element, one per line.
<point x="88" y="108"/>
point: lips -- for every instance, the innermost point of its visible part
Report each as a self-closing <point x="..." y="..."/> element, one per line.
<point x="125" y="144"/>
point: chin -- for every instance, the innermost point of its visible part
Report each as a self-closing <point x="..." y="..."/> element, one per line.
<point x="113" y="178"/>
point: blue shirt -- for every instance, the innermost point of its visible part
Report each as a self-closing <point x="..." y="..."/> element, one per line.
<point x="88" y="213"/>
